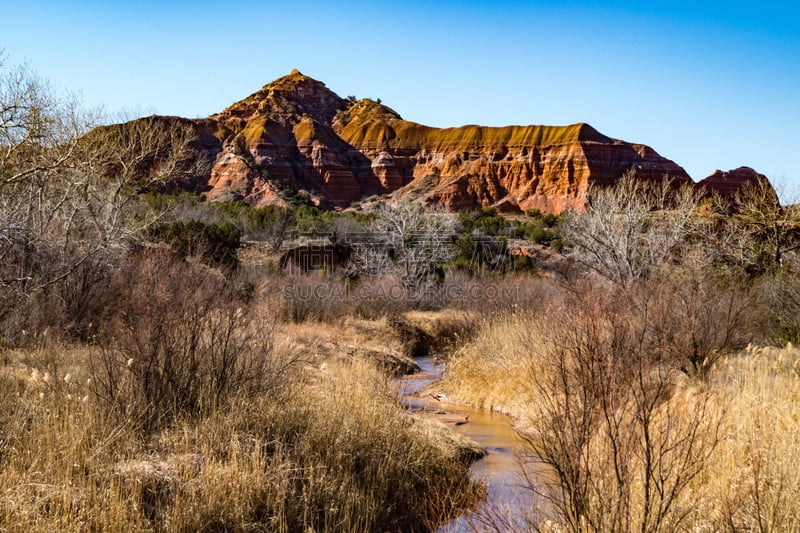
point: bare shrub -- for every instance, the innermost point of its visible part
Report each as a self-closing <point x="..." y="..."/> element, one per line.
<point x="696" y="318"/>
<point x="329" y="298"/>
<point x="150" y="152"/>
<point x="181" y="341"/>
<point x="769" y="228"/>
<point x="603" y="396"/>
<point x="782" y="298"/>
<point x="408" y="243"/>
<point x="611" y="384"/>
<point x="69" y="206"/>
<point x="70" y="309"/>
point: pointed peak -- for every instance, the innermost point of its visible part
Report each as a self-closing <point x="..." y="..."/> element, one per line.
<point x="286" y="100"/>
<point x="294" y="80"/>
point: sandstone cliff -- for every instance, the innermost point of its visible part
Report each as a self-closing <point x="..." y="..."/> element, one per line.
<point x="515" y="167"/>
<point x="296" y="135"/>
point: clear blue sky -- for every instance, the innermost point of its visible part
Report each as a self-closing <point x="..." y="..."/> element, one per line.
<point x="710" y="86"/>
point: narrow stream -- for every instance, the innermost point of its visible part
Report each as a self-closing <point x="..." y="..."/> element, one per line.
<point x="509" y="499"/>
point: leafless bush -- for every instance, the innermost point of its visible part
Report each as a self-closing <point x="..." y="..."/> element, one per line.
<point x="782" y="298"/>
<point x="42" y="237"/>
<point x="155" y="151"/>
<point x="328" y="298"/>
<point x="769" y="228"/>
<point x="697" y="318"/>
<point x="604" y="394"/>
<point x="182" y="340"/>
<point x="408" y="243"/>
<point x="71" y="309"/>
<point x="69" y="208"/>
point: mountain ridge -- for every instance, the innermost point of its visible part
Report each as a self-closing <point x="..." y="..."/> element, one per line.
<point x="295" y="132"/>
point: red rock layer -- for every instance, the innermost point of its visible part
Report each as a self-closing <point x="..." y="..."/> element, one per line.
<point x="727" y="183"/>
<point x="296" y="133"/>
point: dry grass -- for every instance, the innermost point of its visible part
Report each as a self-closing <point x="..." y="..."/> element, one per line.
<point x="332" y="450"/>
<point x="305" y="431"/>
<point x="350" y="338"/>
<point x="753" y="480"/>
<point x="748" y="436"/>
<point x="436" y="331"/>
<point x="492" y="371"/>
<point x="391" y="342"/>
<point x="57" y="449"/>
<point x="195" y="408"/>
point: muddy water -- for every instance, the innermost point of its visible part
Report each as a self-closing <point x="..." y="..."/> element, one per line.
<point x="509" y="498"/>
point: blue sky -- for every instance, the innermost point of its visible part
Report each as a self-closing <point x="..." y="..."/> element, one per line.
<point x="710" y="86"/>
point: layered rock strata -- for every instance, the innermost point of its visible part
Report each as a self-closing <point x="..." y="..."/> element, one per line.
<point x="295" y="134"/>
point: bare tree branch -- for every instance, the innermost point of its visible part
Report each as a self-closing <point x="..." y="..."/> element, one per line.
<point x="632" y="228"/>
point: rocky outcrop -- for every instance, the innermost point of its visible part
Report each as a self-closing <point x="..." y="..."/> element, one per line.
<point x="283" y="135"/>
<point x="296" y="135"/>
<point x="726" y="184"/>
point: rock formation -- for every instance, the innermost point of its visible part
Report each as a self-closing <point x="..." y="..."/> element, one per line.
<point x="296" y="136"/>
<point x="727" y="183"/>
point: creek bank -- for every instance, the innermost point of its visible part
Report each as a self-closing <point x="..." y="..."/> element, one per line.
<point x="509" y="498"/>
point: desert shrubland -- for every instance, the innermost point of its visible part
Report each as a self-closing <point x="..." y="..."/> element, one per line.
<point x="645" y="406"/>
<point x="155" y="374"/>
<point x="327" y="447"/>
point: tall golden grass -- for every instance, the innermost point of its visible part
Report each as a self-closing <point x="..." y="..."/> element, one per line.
<point x="195" y="409"/>
<point x="752" y="482"/>
<point x="720" y="444"/>
<point x="332" y="451"/>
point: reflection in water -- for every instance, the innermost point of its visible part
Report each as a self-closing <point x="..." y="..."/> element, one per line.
<point x="509" y="498"/>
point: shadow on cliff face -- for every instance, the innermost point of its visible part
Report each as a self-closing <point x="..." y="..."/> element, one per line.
<point x="608" y="162"/>
<point x="333" y="167"/>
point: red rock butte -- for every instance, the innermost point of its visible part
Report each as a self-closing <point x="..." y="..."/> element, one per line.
<point x="297" y="134"/>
